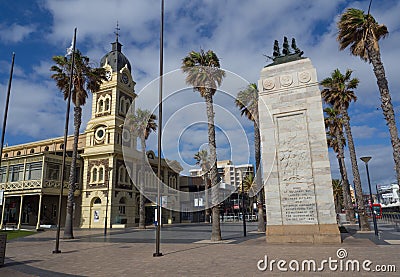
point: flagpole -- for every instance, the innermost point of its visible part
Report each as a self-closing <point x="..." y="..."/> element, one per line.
<point x="57" y="250"/>
<point x="160" y="98"/>
<point x="3" y="131"/>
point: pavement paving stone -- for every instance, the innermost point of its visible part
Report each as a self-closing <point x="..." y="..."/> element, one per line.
<point x="92" y="254"/>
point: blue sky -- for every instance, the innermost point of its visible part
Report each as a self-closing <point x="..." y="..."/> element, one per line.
<point x="240" y="32"/>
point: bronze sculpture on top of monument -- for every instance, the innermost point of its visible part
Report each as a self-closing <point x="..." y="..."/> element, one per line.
<point x="286" y="55"/>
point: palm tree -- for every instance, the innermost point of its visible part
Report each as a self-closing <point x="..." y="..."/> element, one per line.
<point x="249" y="184"/>
<point x="361" y="32"/>
<point x="141" y="123"/>
<point x="203" y="72"/>
<point x="247" y="101"/>
<point x="339" y="93"/>
<point x="336" y="140"/>
<point x="85" y="78"/>
<point x="337" y="194"/>
<point x="203" y="160"/>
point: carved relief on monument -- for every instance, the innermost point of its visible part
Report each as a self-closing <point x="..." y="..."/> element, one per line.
<point x="295" y="173"/>
<point x="286" y="80"/>
<point x="269" y="83"/>
<point x="304" y="76"/>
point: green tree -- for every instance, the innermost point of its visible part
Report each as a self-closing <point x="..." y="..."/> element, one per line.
<point x="202" y="159"/>
<point x="203" y="72"/>
<point x="361" y="32"/>
<point x="337" y="194"/>
<point x="85" y="79"/>
<point x="247" y="102"/>
<point x="248" y="185"/>
<point x="141" y="123"/>
<point x="339" y="93"/>
<point x="336" y="140"/>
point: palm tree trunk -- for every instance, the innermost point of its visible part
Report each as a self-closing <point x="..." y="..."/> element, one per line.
<point x="142" y="213"/>
<point x="216" y="228"/>
<point x="207" y="210"/>
<point x="356" y="174"/>
<point x="348" y="205"/>
<point x="257" y="155"/>
<point x="387" y="106"/>
<point x="68" y="231"/>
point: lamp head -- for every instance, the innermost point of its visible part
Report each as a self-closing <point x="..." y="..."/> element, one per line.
<point x="365" y="159"/>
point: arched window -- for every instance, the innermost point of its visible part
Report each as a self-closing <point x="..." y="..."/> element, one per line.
<point x="127" y="105"/>
<point x="122" y="203"/>
<point x="127" y="177"/>
<point x="97" y="201"/>
<point x="101" y="105"/>
<point x="101" y="174"/>
<point x="107" y="104"/>
<point x="122" y="105"/>
<point x="94" y="174"/>
<point x="121" y="174"/>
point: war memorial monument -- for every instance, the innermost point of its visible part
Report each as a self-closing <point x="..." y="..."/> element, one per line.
<point x="296" y="168"/>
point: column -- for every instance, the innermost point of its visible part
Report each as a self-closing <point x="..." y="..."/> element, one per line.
<point x="39" y="212"/>
<point x="20" y="212"/>
<point x="2" y="212"/>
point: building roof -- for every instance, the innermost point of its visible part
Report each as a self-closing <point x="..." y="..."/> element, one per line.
<point x="115" y="58"/>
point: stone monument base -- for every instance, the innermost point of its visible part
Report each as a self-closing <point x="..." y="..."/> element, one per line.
<point x="305" y="233"/>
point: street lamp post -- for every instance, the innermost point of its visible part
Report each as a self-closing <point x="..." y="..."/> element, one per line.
<point x="160" y="113"/>
<point x="243" y="209"/>
<point x="366" y="160"/>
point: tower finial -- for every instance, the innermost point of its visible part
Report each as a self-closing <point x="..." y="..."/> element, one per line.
<point x="117" y="31"/>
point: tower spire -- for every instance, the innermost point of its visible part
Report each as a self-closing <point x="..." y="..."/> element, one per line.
<point x="116" y="46"/>
<point x="117" y="32"/>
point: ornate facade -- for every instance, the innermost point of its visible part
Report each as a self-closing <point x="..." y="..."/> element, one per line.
<point x="30" y="173"/>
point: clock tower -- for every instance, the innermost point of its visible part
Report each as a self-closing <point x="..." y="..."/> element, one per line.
<point x="108" y="194"/>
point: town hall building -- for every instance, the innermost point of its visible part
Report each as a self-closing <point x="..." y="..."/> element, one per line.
<point x="30" y="173"/>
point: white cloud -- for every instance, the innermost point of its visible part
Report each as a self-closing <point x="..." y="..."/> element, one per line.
<point x="15" y="33"/>
<point x="366" y="132"/>
<point x="240" y="32"/>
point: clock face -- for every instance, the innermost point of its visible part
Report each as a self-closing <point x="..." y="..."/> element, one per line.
<point x="124" y="78"/>
<point x="108" y="75"/>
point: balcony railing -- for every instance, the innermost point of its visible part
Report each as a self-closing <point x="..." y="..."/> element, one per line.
<point x="31" y="185"/>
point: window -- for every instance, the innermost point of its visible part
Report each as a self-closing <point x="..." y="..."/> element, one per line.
<point x="101" y="103"/>
<point x="107" y="104"/>
<point x="97" y="174"/>
<point x="121" y="174"/>
<point x="3" y="172"/>
<point x="33" y="171"/>
<point x="16" y="173"/>
<point x="53" y="171"/>
<point x="127" y="176"/>
<point x="67" y="172"/>
<point x="94" y="174"/>
<point x="100" y="133"/>
<point x="101" y="174"/>
<point x="127" y="104"/>
<point x="122" y="204"/>
<point x="97" y="201"/>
